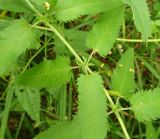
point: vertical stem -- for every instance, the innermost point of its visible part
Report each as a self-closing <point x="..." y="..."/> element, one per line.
<point x="140" y="131"/>
<point x="140" y="83"/>
<point x="20" y="124"/>
<point x="5" y="114"/>
<point x="62" y="104"/>
<point x="117" y="115"/>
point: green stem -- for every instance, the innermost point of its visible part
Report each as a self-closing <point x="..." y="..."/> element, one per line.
<point x="125" y="109"/>
<point x="20" y="125"/>
<point x="42" y="28"/>
<point x="121" y="109"/>
<point x="137" y="40"/>
<point x="4" y="93"/>
<point x="65" y="42"/>
<point x="90" y="57"/>
<point x="117" y="115"/>
<point x="5" y="115"/>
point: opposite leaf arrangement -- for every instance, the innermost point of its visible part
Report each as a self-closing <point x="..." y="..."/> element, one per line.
<point x="54" y="50"/>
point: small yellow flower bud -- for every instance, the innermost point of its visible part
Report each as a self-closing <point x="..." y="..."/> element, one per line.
<point x="131" y="70"/>
<point x="47" y="5"/>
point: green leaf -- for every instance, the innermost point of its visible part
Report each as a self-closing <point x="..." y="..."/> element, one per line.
<point x="146" y="104"/>
<point x="150" y="131"/>
<point x="65" y="130"/>
<point x="14" y="40"/>
<point x="141" y="17"/>
<point x="104" y="33"/>
<point x="46" y="74"/>
<point x="67" y="10"/>
<point x="30" y="101"/>
<point x="123" y="76"/>
<point x="77" y="40"/>
<point x="15" y="6"/>
<point x="92" y="107"/>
